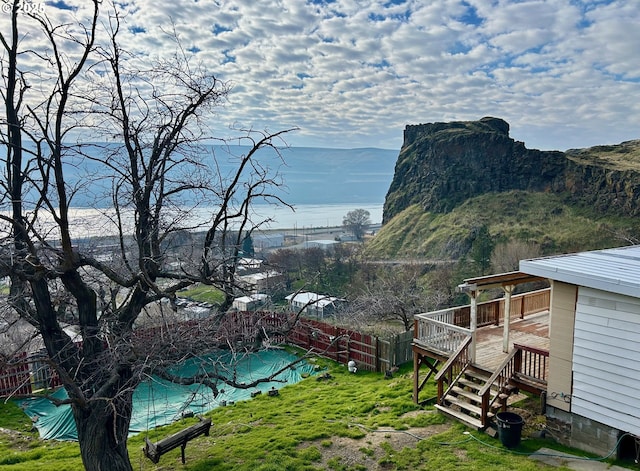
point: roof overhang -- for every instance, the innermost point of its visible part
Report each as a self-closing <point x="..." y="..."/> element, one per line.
<point x="497" y="281"/>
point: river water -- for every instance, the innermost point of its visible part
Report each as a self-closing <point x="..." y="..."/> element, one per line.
<point x="88" y="222"/>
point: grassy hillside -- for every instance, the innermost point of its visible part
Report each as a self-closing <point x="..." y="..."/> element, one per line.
<point x="623" y="156"/>
<point x="540" y="218"/>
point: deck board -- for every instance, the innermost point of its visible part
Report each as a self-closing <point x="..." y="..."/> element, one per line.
<point x="532" y="331"/>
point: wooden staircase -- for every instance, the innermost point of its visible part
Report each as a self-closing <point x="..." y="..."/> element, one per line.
<point x="463" y="402"/>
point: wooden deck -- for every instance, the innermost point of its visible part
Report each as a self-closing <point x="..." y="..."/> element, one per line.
<point x="532" y="331"/>
<point x="472" y="390"/>
<point x="442" y="346"/>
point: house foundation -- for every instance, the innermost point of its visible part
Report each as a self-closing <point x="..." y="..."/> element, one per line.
<point x="579" y="432"/>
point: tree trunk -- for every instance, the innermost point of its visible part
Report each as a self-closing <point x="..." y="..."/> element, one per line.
<point x="103" y="427"/>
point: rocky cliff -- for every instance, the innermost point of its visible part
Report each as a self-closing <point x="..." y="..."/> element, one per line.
<point x="441" y="165"/>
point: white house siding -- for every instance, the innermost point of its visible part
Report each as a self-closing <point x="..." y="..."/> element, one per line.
<point x="606" y="359"/>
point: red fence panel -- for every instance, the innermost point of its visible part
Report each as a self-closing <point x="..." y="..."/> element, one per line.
<point x="15" y="379"/>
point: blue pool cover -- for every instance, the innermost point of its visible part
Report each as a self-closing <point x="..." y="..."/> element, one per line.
<point x="157" y="402"/>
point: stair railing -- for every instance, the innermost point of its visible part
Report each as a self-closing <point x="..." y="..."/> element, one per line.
<point x="453" y="369"/>
<point x="511" y="365"/>
<point x="523" y="365"/>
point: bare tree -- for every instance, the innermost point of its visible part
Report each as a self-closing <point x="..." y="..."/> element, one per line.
<point x="155" y="115"/>
<point x="506" y="256"/>
<point x="394" y="295"/>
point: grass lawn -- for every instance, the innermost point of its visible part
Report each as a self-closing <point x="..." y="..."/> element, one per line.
<point x="203" y="293"/>
<point x="344" y="423"/>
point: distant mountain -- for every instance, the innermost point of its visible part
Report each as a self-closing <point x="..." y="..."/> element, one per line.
<point x="452" y="178"/>
<point x="310" y="175"/>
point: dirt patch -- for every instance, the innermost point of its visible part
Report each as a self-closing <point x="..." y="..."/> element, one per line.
<point x="17" y="440"/>
<point x="530" y="411"/>
<point x="368" y="452"/>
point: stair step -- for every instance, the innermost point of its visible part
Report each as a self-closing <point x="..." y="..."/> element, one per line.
<point x="464" y="405"/>
<point x="510" y="388"/>
<point x="474" y="386"/>
<point x="483" y="377"/>
<point x="461" y="416"/>
<point x="498" y="404"/>
<point x="470" y="395"/>
<point x="467" y="383"/>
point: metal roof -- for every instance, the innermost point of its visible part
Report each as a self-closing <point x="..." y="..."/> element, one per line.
<point x="308" y="298"/>
<point x="614" y="270"/>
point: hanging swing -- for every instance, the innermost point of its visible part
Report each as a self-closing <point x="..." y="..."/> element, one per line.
<point x="154" y="450"/>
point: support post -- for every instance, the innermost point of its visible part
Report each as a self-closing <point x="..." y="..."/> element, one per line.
<point x="474" y="324"/>
<point x="508" y="291"/>
<point x="416" y="375"/>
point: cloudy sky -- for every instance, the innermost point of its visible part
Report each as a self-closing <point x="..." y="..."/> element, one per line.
<point x="354" y="73"/>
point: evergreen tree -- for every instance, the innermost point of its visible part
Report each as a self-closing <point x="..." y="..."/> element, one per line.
<point x="481" y="250"/>
<point x="247" y="246"/>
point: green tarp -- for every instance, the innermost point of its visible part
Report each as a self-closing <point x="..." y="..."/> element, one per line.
<point x="158" y="402"/>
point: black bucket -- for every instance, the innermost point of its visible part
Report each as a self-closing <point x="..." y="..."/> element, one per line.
<point x="509" y="428"/>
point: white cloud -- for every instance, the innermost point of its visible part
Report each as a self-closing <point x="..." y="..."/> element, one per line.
<point x="353" y="73"/>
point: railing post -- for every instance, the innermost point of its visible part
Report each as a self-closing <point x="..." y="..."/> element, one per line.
<point x="517" y="361"/>
<point x="508" y="290"/>
<point x="485" y="409"/>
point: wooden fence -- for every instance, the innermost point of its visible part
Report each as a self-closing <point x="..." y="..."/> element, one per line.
<point x="341" y="345"/>
<point x="26" y="374"/>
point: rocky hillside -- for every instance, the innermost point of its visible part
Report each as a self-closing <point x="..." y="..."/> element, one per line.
<point x="442" y="165"/>
<point x="451" y="178"/>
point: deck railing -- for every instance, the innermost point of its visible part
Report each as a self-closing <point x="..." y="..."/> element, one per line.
<point x="446" y="329"/>
<point x="532" y="372"/>
<point x="525" y="367"/>
<point x="439" y="331"/>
